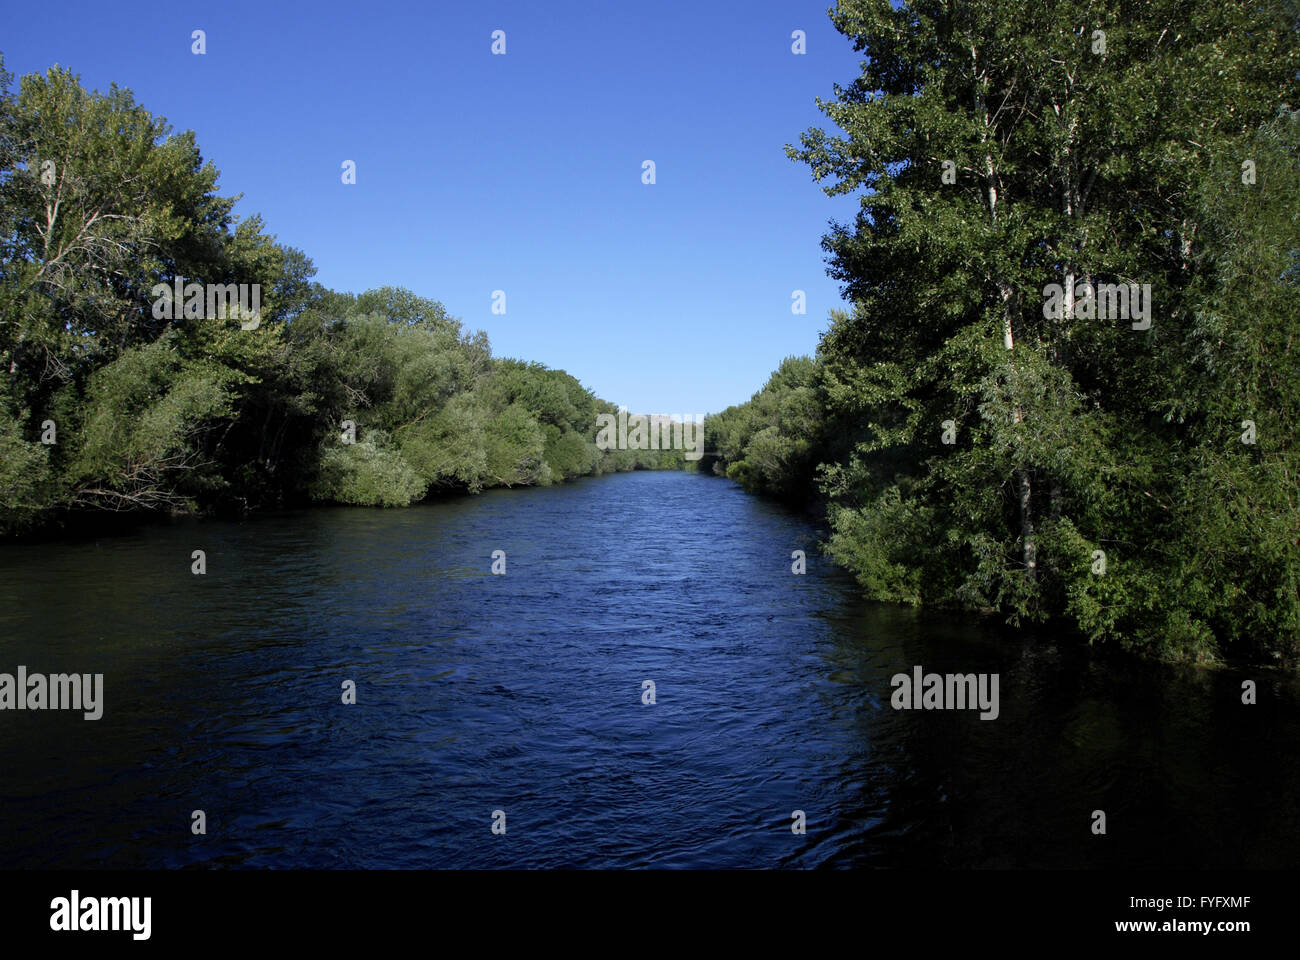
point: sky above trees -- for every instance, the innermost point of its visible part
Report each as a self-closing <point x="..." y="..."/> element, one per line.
<point x="519" y="172"/>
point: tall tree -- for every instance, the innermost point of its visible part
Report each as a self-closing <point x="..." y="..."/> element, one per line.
<point x="1002" y="147"/>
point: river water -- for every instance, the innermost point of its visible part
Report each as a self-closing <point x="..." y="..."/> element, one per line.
<point x="523" y="693"/>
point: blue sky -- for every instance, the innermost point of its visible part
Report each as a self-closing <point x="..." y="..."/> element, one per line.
<point x="521" y="172"/>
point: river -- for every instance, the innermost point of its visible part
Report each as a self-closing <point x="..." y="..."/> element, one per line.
<point x="523" y="693"/>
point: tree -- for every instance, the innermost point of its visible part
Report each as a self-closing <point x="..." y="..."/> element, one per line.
<point x="1001" y="147"/>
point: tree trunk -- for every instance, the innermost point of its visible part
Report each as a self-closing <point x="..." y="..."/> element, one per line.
<point x="1030" y="554"/>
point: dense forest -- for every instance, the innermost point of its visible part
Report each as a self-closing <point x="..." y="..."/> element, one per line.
<point x="1064" y="390"/>
<point x="1068" y="382"/>
<point x="379" y="398"/>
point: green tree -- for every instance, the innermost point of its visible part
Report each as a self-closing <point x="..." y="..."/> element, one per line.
<point x="1002" y="146"/>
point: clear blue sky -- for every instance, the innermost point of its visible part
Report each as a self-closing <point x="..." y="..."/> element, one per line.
<point x="519" y="172"/>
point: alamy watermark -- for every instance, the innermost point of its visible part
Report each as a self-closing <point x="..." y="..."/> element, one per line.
<point x="58" y="691"/>
<point x="75" y="913"/>
<point x="211" y="301"/>
<point x="651" y="432"/>
<point x="952" y="691"/>
<point x="1105" y="301"/>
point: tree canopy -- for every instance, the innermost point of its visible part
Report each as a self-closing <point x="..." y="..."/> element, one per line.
<point x="1120" y="458"/>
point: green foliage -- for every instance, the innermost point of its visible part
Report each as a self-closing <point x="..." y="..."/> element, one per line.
<point x="975" y="451"/>
<point x="569" y="454"/>
<point x="100" y="202"/>
<point x="24" y="473"/>
<point x="136" y="434"/>
<point x="369" y="472"/>
<point x="770" y="444"/>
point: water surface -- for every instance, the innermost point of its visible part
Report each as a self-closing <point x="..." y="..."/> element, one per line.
<point x="523" y="693"/>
